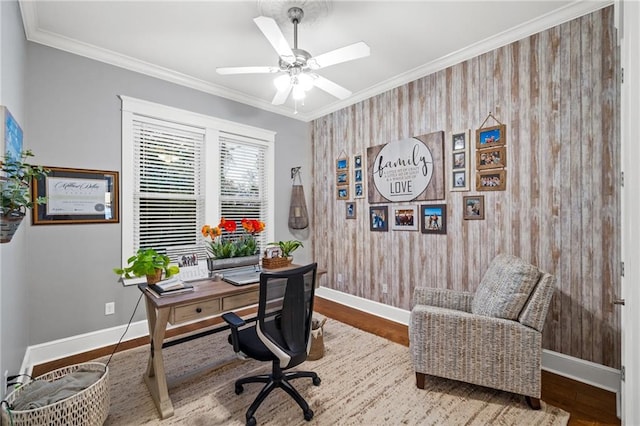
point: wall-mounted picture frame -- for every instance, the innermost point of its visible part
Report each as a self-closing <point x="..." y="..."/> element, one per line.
<point x="359" y="190"/>
<point x="357" y="175"/>
<point x="11" y="135"/>
<point x="460" y="160"/>
<point x="491" y="136"/>
<point x="343" y="192"/>
<point x="493" y="158"/>
<point x="473" y="207"/>
<point x="76" y="196"/>
<point x="404" y="217"/>
<point x="433" y="218"/>
<point x="342" y="164"/>
<point x="379" y="218"/>
<point x="342" y="177"/>
<point x="357" y="161"/>
<point x="350" y="210"/>
<point x="491" y="180"/>
<point x="459" y="180"/>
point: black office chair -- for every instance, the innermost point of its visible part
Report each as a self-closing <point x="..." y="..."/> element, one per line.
<point x="282" y="333"/>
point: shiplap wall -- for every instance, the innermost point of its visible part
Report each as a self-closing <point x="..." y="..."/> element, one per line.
<point x="558" y="94"/>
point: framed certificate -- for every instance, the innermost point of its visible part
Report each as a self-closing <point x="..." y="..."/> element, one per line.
<point x="76" y="196"/>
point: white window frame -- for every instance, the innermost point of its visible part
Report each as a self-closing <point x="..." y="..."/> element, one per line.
<point x="132" y="107"/>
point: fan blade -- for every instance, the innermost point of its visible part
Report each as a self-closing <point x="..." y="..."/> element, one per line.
<point x="344" y="54"/>
<point x="272" y="32"/>
<point x="247" y="70"/>
<point x="281" y="96"/>
<point x="331" y="88"/>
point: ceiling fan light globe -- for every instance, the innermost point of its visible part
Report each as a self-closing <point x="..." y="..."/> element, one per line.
<point x="282" y="82"/>
<point x="305" y="81"/>
<point x="298" y="93"/>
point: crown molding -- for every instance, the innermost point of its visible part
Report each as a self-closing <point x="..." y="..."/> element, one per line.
<point x="35" y="34"/>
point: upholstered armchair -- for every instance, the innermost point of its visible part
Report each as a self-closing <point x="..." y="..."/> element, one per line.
<point x="491" y="338"/>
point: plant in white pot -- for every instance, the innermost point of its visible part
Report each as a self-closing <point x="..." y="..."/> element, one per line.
<point x="15" y="188"/>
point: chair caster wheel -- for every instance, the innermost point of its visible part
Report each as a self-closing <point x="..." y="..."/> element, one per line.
<point x="239" y="390"/>
<point x="251" y="421"/>
<point x="316" y="381"/>
<point x="308" y="414"/>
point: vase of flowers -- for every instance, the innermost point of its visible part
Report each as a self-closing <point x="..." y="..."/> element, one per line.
<point x="228" y="248"/>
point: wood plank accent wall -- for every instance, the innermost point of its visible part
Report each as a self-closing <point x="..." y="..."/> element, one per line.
<point x="558" y="93"/>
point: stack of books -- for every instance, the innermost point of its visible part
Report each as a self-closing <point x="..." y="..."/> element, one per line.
<point x="169" y="287"/>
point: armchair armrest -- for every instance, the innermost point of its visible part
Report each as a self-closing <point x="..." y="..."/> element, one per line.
<point x="235" y="322"/>
<point x="443" y="298"/>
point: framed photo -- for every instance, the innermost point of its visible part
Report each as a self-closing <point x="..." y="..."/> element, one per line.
<point x="76" y="196"/>
<point x="351" y="210"/>
<point x="342" y="177"/>
<point x="491" y="136"/>
<point x="491" y="180"/>
<point x="494" y="158"/>
<point x="379" y="218"/>
<point x="357" y="175"/>
<point x="473" y="207"/>
<point x="272" y="252"/>
<point x="433" y="219"/>
<point x="459" y="141"/>
<point x="11" y="135"/>
<point x="459" y="160"/>
<point x="342" y="164"/>
<point x="459" y="179"/>
<point x="404" y="217"/>
<point x="359" y="190"/>
<point x="357" y="161"/>
<point x="343" y="193"/>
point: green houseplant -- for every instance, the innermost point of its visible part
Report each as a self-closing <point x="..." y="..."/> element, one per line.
<point x="288" y="247"/>
<point x="15" y="187"/>
<point x="149" y="263"/>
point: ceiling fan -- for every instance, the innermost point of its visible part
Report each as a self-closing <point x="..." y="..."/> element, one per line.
<point x="297" y="66"/>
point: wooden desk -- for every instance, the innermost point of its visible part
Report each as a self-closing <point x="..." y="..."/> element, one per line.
<point x="209" y="298"/>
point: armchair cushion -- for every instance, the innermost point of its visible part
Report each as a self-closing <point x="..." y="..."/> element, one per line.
<point x="505" y="288"/>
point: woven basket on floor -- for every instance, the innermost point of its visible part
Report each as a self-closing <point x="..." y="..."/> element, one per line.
<point x="88" y="407"/>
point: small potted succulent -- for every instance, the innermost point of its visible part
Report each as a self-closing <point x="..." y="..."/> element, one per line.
<point x="149" y="263"/>
<point x="15" y="189"/>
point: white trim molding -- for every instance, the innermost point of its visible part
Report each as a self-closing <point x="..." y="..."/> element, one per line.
<point x="574" y="368"/>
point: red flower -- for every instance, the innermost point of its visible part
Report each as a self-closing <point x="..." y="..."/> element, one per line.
<point x="228" y="225"/>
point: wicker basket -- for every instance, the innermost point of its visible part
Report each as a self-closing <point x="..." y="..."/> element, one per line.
<point x="88" y="407"/>
<point x="275" y="262"/>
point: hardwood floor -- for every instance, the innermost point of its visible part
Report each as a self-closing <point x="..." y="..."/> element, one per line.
<point x="588" y="405"/>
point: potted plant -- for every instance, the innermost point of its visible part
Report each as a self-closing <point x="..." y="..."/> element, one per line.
<point x="149" y="263"/>
<point x="288" y="247"/>
<point x="15" y="186"/>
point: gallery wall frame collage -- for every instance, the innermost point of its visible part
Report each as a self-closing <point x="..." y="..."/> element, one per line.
<point x="490" y="172"/>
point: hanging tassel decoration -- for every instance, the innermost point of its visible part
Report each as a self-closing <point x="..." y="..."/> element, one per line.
<point x="298" y="216"/>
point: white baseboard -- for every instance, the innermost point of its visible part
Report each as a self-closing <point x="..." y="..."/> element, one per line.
<point x="564" y="365"/>
<point x="574" y="368"/>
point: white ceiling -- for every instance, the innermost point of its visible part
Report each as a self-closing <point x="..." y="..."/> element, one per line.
<point x="184" y="41"/>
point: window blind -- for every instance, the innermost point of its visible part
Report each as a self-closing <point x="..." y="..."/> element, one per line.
<point x="243" y="181"/>
<point x="168" y="199"/>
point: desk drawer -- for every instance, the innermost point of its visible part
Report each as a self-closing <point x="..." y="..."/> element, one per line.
<point x="194" y="311"/>
<point x="240" y="300"/>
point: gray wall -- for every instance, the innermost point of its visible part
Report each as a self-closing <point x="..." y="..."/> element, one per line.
<point x="73" y="114"/>
<point x="14" y="307"/>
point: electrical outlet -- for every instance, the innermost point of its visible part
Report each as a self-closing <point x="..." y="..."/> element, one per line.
<point x="340" y="279"/>
<point x="109" y="308"/>
<point x="385" y="289"/>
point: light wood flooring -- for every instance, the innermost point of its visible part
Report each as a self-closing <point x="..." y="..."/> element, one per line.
<point x="587" y="404"/>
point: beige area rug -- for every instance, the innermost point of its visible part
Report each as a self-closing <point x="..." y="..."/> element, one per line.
<point x="366" y="380"/>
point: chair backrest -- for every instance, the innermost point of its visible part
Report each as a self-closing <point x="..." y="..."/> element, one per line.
<point x="285" y="311"/>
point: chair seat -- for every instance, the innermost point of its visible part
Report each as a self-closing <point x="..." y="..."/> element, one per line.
<point x="252" y="346"/>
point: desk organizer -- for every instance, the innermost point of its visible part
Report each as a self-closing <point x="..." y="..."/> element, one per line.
<point x="275" y="262"/>
<point x="87" y="407"/>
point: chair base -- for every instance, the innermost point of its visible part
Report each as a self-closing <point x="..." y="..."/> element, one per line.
<point x="277" y="379"/>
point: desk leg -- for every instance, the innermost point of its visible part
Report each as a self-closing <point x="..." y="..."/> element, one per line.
<point x="155" y="377"/>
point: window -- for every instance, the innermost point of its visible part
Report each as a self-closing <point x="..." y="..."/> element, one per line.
<point x="181" y="170"/>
